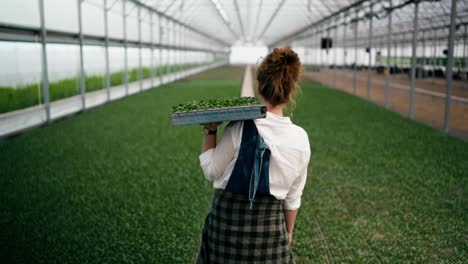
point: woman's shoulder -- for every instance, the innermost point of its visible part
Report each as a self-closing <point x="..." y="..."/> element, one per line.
<point x="300" y="134"/>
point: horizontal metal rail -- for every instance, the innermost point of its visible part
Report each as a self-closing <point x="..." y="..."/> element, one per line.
<point x="9" y="32"/>
<point x="417" y="90"/>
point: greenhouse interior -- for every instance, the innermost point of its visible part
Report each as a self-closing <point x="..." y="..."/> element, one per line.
<point x="95" y="169"/>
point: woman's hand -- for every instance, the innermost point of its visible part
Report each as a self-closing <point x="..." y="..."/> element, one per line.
<point x="212" y="126"/>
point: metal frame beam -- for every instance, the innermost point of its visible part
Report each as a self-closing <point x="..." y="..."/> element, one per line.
<point x="15" y="33"/>
<point x="448" y="91"/>
<point x="206" y="35"/>
<point x="413" y="59"/>
<point x="273" y="16"/>
<point x="241" y="25"/>
<point x="82" y="71"/>
<point x="314" y="24"/>
<point x="228" y="25"/>
<point x="45" y="73"/>
<point x="106" y="33"/>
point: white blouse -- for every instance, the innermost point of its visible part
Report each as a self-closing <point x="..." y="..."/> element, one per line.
<point x="290" y="154"/>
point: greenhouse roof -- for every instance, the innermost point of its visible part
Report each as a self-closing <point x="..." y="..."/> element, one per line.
<point x="273" y="21"/>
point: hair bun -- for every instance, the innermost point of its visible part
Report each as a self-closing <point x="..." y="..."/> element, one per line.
<point x="290" y="58"/>
<point x="285" y="56"/>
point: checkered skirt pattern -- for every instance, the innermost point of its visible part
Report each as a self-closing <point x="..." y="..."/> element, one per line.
<point x="234" y="233"/>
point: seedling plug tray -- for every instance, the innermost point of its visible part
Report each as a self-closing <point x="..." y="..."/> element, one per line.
<point x="218" y="115"/>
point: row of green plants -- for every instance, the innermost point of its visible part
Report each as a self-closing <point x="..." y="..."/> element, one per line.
<point x="14" y="98"/>
<point x="215" y="104"/>
<point x="381" y="188"/>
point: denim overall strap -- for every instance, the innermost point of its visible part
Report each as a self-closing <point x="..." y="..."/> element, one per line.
<point x="250" y="176"/>
<point x="257" y="167"/>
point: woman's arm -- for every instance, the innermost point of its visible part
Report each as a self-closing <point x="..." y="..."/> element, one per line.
<point x="216" y="157"/>
<point x="209" y="140"/>
<point x="290" y="218"/>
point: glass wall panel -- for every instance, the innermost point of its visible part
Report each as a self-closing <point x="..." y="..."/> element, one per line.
<point x="133" y="64"/>
<point x="146" y="62"/>
<point x="93" y="17"/>
<point x="95" y="67"/>
<point x="115" y="19"/>
<point x="64" y="70"/>
<point x="116" y="65"/>
<point x="24" y="12"/>
<point x="20" y="76"/>
<point x="145" y="26"/>
<point x="132" y="21"/>
<point x="61" y="15"/>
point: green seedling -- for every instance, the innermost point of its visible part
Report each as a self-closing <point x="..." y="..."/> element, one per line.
<point x="215" y="104"/>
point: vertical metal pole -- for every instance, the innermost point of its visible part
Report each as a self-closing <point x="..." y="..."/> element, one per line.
<point x="355" y="51"/>
<point x="413" y="58"/>
<point x="434" y="55"/>
<point x="345" y="50"/>
<point x="177" y="51"/>
<point x="389" y="55"/>
<point x="140" y="62"/>
<point x="124" y="15"/>
<point x="448" y="94"/>
<point x="423" y="61"/>
<point x="45" y="71"/>
<point x="328" y="59"/>
<point x="334" y="55"/>
<point x="106" y="31"/>
<point x="369" y="72"/>
<point x="465" y="60"/>
<point x="152" y="49"/>
<point x="82" y="73"/>
<point x="160" y="64"/>
<point x="169" y="50"/>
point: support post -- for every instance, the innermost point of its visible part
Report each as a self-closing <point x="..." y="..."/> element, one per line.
<point x="434" y="56"/>
<point x="124" y="15"/>
<point x="160" y="64"/>
<point x="423" y="55"/>
<point x="106" y="32"/>
<point x="152" y="50"/>
<point x="140" y="62"/>
<point x="413" y="58"/>
<point x="465" y="60"/>
<point x="45" y="71"/>
<point x="334" y="55"/>
<point x="356" y="27"/>
<point x="82" y="73"/>
<point x="328" y="59"/>
<point x="369" y="72"/>
<point x="449" y="73"/>
<point x="389" y="55"/>
<point x="345" y="49"/>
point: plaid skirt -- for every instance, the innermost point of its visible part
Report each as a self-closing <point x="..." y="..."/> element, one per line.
<point x="235" y="233"/>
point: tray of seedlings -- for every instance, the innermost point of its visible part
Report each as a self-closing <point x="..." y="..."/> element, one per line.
<point x="217" y="110"/>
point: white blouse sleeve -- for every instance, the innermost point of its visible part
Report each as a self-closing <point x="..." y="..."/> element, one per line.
<point x="214" y="161"/>
<point x="293" y="198"/>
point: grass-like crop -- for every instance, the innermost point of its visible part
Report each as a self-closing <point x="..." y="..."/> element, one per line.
<point x="29" y="95"/>
<point x="118" y="184"/>
<point x="215" y="104"/>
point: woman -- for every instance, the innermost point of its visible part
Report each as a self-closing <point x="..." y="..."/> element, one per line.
<point x="259" y="170"/>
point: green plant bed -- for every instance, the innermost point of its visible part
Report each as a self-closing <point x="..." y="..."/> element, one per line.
<point x="15" y="98"/>
<point x="118" y="184"/>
